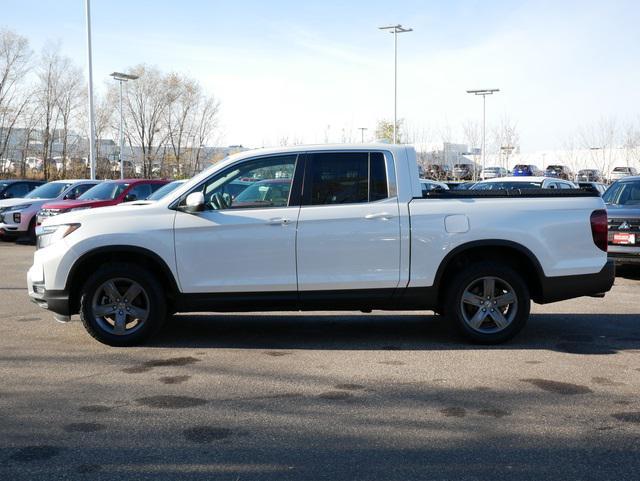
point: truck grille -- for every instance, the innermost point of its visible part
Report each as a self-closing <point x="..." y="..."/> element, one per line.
<point x="48" y="212"/>
<point x="614" y="225"/>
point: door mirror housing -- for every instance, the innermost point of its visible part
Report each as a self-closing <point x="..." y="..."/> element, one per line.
<point x="70" y="196"/>
<point x="194" y="202"/>
<point x="130" y="197"/>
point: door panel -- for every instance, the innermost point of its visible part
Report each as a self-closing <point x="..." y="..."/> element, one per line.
<point x="354" y="246"/>
<point x="244" y="250"/>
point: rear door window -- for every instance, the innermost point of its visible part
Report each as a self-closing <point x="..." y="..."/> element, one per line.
<point x="345" y="178"/>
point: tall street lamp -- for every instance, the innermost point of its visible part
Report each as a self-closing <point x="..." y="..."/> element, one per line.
<point x="484" y="93"/>
<point x="362" y="130"/>
<point x="92" y="126"/>
<point x="122" y="78"/>
<point x="395" y="30"/>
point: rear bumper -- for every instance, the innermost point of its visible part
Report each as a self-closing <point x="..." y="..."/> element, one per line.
<point x="568" y="287"/>
<point x="624" y="254"/>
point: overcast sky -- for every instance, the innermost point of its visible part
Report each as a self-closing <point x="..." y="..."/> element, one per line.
<point x="294" y="68"/>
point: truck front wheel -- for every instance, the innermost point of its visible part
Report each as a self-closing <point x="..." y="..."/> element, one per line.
<point x="488" y="302"/>
<point x="122" y="304"/>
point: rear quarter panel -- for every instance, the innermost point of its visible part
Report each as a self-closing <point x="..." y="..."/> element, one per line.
<point x="557" y="231"/>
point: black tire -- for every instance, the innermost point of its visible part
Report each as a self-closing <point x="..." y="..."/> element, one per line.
<point x="154" y="302"/>
<point x="460" y="314"/>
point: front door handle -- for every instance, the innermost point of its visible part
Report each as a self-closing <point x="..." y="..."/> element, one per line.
<point x="278" y="221"/>
<point x="379" y="215"/>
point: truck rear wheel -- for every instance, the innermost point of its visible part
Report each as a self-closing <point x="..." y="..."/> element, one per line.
<point x="488" y="303"/>
<point x="122" y="304"/>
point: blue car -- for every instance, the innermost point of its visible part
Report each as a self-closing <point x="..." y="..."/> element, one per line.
<point x="526" y="170"/>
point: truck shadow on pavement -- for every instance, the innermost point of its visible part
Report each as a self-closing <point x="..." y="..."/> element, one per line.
<point x="587" y="334"/>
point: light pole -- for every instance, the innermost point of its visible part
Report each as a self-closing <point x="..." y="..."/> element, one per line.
<point x="395" y="30"/>
<point x="484" y="93"/>
<point x="122" y="78"/>
<point x="92" y="126"/>
<point x="362" y="129"/>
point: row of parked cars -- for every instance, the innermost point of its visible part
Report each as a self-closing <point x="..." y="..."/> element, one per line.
<point x="24" y="203"/>
<point x="467" y="172"/>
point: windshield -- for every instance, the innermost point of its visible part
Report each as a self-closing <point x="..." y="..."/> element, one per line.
<point x="622" y="169"/>
<point x="165" y="189"/>
<point x="47" y="191"/>
<point x="104" y="191"/>
<point x="506" y="185"/>
<point x="266" y="191"/>
<point x="623" y="193"/>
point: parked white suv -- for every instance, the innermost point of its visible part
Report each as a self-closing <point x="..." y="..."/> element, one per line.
<point x="322" y="228"/>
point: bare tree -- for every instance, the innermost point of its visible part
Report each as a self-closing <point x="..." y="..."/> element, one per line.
<point x="384" y="131"/>
<point x="183" y="97"/>
<point x="631" y="144"/>
<point x="70" y="99"/>
<point x="506" y="139"/>
<point x="601" y="138"/>
<point x="105" y="108"/>
<point x="49" y="73"/>
<point x="472" y="132"/>
<point x="145" y="108"/>
<point x="205" y="127"/>
<point x="15" y="62"/>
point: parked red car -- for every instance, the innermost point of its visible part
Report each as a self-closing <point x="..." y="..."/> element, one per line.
<point x="107" y="193"/>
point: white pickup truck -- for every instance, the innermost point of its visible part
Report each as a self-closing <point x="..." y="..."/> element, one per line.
<point x="322" y="228"/>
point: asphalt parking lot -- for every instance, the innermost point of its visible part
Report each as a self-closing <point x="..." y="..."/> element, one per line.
<point x="339" y="396"/>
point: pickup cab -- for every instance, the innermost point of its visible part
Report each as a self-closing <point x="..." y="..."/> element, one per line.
<point x="354" y="231"/>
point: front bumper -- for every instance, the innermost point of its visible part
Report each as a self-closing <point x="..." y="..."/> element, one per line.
<point x="568" y="287"/>
<point x="57" y="302"/>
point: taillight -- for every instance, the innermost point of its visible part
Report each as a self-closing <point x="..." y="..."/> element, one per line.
<point x="599" y="229"/>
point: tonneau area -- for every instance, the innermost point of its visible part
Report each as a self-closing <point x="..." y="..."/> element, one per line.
<point x="506" y="193"/>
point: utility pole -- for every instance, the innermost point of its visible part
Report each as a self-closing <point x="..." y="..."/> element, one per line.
<point x="122" y="78"/>
<point x="92" y="125"/>
<point x="484" y="93"/>
<point x="395" y="30"/>
<point x="362" y="129"/>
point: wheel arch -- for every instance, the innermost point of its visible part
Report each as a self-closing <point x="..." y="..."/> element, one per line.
<point x="503" y="251"/>
<point x="93" y="259"/>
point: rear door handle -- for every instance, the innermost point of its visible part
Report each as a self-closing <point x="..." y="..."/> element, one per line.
<point x="379" y="215"/>
<point x="278" y="221"/>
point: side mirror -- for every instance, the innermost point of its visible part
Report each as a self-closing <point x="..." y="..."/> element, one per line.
<point x="7" y="195"/>
<point x="194" y="202"/>
<point x="130" y="197"/>
<point x="70" y="196"/>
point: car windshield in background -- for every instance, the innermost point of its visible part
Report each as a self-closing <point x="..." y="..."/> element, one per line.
<point x="622" y="169"/>
<point x="274" y="192"/>
<point x="104" y="191"/>
<point x="506" y="185"/>
<point x="165" y="189"/>
<point x="623" y="193"/>
<point x="47" y="191"/>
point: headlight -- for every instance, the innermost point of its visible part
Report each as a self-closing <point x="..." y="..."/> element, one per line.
<point x="50" y="234"/>
<point x="19" y="207"/>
